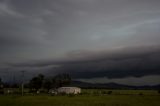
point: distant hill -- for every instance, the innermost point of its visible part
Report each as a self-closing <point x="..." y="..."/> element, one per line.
<point x="110" y="86"/>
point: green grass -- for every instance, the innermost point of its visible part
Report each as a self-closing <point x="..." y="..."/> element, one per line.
<point x="121" y="92"/>
<point x="149" y="98"/>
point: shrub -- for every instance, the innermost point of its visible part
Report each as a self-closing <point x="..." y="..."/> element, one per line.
<point x="140" y="93"/>
<point x="96" y="93"/>
<point x="17" y="92"/>
<point x="62" y="93"/>
<point x="109" y="92"/>
<point x="71" y="95"/>
<point x="104" y="92"/>
<point x="1" y="92"/>
<point x="84" y="93"/>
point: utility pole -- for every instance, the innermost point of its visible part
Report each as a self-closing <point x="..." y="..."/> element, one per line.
<point x="22" y="82"/>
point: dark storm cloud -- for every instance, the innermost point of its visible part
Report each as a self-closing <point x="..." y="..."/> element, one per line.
<point x="126" y="62"/>
<point x="84" y="37"/>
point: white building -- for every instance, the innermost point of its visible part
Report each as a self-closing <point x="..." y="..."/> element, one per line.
<point x="69" y="90"/>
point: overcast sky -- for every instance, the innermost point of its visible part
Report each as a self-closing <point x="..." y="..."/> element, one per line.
<point x="87" y="38"/>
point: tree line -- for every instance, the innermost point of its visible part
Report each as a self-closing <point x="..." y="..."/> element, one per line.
<point x="41" y="81"/>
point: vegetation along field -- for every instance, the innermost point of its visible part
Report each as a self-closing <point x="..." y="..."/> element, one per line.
<point x="87" y="98"/>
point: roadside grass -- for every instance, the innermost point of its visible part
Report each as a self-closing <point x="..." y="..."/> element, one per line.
<point x="87" y="98"/>
<point x="120" y="92"/>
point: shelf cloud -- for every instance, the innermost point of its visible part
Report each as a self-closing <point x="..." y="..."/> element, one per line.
<point x="86" y="38"/>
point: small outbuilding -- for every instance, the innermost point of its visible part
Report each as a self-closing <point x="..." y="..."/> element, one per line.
<point x="69" y="90"/>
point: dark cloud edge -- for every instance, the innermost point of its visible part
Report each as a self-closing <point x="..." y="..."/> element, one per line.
<point x="126" y="62"/>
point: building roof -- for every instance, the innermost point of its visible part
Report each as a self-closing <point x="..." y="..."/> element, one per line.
<point x="70" y="87"/>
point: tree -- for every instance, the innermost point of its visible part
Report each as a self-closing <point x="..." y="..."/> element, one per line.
<point x="36" y="82"/>
<point x="109" y="92"/>
<point x="47" y="83"/>
<point x="61" y="80"/>
<point x="1" y="86"/>
<point x="57" y="81"/>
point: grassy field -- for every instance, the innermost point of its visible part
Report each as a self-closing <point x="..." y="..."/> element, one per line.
<point x="123" y="98"/>
<point x="120" y="92"/>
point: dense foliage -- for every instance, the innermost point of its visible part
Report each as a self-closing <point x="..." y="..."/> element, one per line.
<point x="54" y="82"/>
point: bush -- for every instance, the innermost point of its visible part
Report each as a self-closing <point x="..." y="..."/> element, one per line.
<point x="17" y="92"/>
<point x="84" y="93"/>
<point x="1" y="92"/>
<point x="71" y="95"/>
<point x="32" y="91"/>
<point x="62" y="93"/>
<point x="96" y="93"/>
<point x="109" y="92"/>
<point x="104" y="92"/>
<point x="140" y="93"/>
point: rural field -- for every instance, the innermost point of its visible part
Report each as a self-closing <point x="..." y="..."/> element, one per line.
<point x="87" y="98"/>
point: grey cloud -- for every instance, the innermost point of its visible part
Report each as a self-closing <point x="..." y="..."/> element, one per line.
<point x="133" y="61"/>
<point x="88" y="36"/>
<point x="118" y="64"/>
<point x="6" y="10"/>
<point x="134" y="81"/>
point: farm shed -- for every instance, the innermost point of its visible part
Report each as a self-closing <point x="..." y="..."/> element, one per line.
<point x="69" y="90"/>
